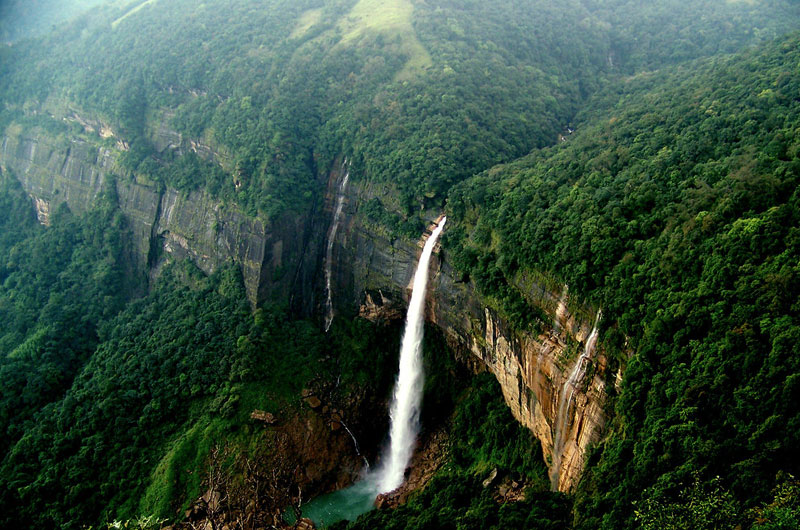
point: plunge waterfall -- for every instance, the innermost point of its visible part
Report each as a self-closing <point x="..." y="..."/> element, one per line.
<point x="359" y="498"/>
<point x="407" y="397"/>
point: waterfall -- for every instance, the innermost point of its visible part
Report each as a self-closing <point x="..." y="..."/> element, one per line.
<point x="359" y="498"/>
<point x="565" y="401"/>
<point x="355" y="444"/>
<point x="337" y="213"/>
<point x="31" y="157"/>
<point x="407" y="397"/>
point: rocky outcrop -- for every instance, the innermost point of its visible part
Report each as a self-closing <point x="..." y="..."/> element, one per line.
<point x="532" y="370"/>
<point x="374" y="274"/>
<point x="276" y="258"/>
<point x="267" y="418"/>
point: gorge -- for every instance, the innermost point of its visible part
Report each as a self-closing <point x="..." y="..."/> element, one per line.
<point x="370" y="267"/>
<point x="215" y="217"/>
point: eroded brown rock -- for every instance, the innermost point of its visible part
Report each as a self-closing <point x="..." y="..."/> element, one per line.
<point x="305" y="524"/>
<point x="314" y="402"/>
<point x="426" y="461"/>
<point x="263" y="416"/>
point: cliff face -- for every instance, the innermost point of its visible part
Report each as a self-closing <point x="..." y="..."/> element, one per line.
<point x="273" y="258"/>
<point x="532" y="369"/>
<point x="373" y="274"/>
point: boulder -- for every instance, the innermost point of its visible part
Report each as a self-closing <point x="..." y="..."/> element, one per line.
<point x="263" y="416"/>
<point x="383" y="501"/>
<point x="305" y="524"/>
<point x="490" y="479"/>
<point x="313" y="402"/>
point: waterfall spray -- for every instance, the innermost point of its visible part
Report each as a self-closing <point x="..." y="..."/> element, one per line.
<point x="407" y="397"/>
<point x="337" y="213"/>
<point x="565" y="401"/>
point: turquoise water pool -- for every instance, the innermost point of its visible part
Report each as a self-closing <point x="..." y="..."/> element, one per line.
<point x="346" y="504"/>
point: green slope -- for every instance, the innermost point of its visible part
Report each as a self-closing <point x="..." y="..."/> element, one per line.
<point x="421" y="95"/>
<point x="674" y="207"/>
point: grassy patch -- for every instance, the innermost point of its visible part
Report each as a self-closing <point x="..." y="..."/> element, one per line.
<point x="306" y="21"/>
<point x="179" y="473"/>
<point x="389" y="18"/>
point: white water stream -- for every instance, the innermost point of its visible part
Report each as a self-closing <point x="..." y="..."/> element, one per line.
<point x="359" y="498"/>
<point x="337" y="213"/>
<point x="355" y="444"/>
<point x="407" y="397"/>
<point x="565" y="401"/>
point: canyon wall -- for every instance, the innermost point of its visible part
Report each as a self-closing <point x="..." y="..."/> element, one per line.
<point x="373" y="275"/>
<point x="167" y="222"/>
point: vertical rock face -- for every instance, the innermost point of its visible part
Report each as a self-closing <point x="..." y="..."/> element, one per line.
<point x="532" y="370"/>
<point x="194" y="225"/>
<point x="374" y="272"/>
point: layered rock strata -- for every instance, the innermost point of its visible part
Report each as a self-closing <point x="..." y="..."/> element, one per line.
<point x="374" y="274"/>
<point x="276" y="258"/>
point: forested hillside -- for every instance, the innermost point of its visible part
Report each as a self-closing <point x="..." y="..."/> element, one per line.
<point x="111" y="412"/>
<point x="421" y="96"/>
<point x="675" y="207"/>
<point x="644" y="154"/>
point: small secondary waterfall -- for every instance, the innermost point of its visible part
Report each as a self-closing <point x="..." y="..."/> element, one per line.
<point x="565" y="400"/>
<point x="355" y="444"/>
<point x="408" y="389"/>
<point x="337" y="213"/>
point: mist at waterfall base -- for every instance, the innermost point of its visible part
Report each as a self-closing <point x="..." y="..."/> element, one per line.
<point x="342" y="505"/>
<point x="349" y="503"/>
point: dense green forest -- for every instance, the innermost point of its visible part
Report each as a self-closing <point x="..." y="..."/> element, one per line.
<point x="57" y="286"/>
<point x="106" y="408"/>
<point x="673" y="205"/>
<point x="419" y="98"/>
